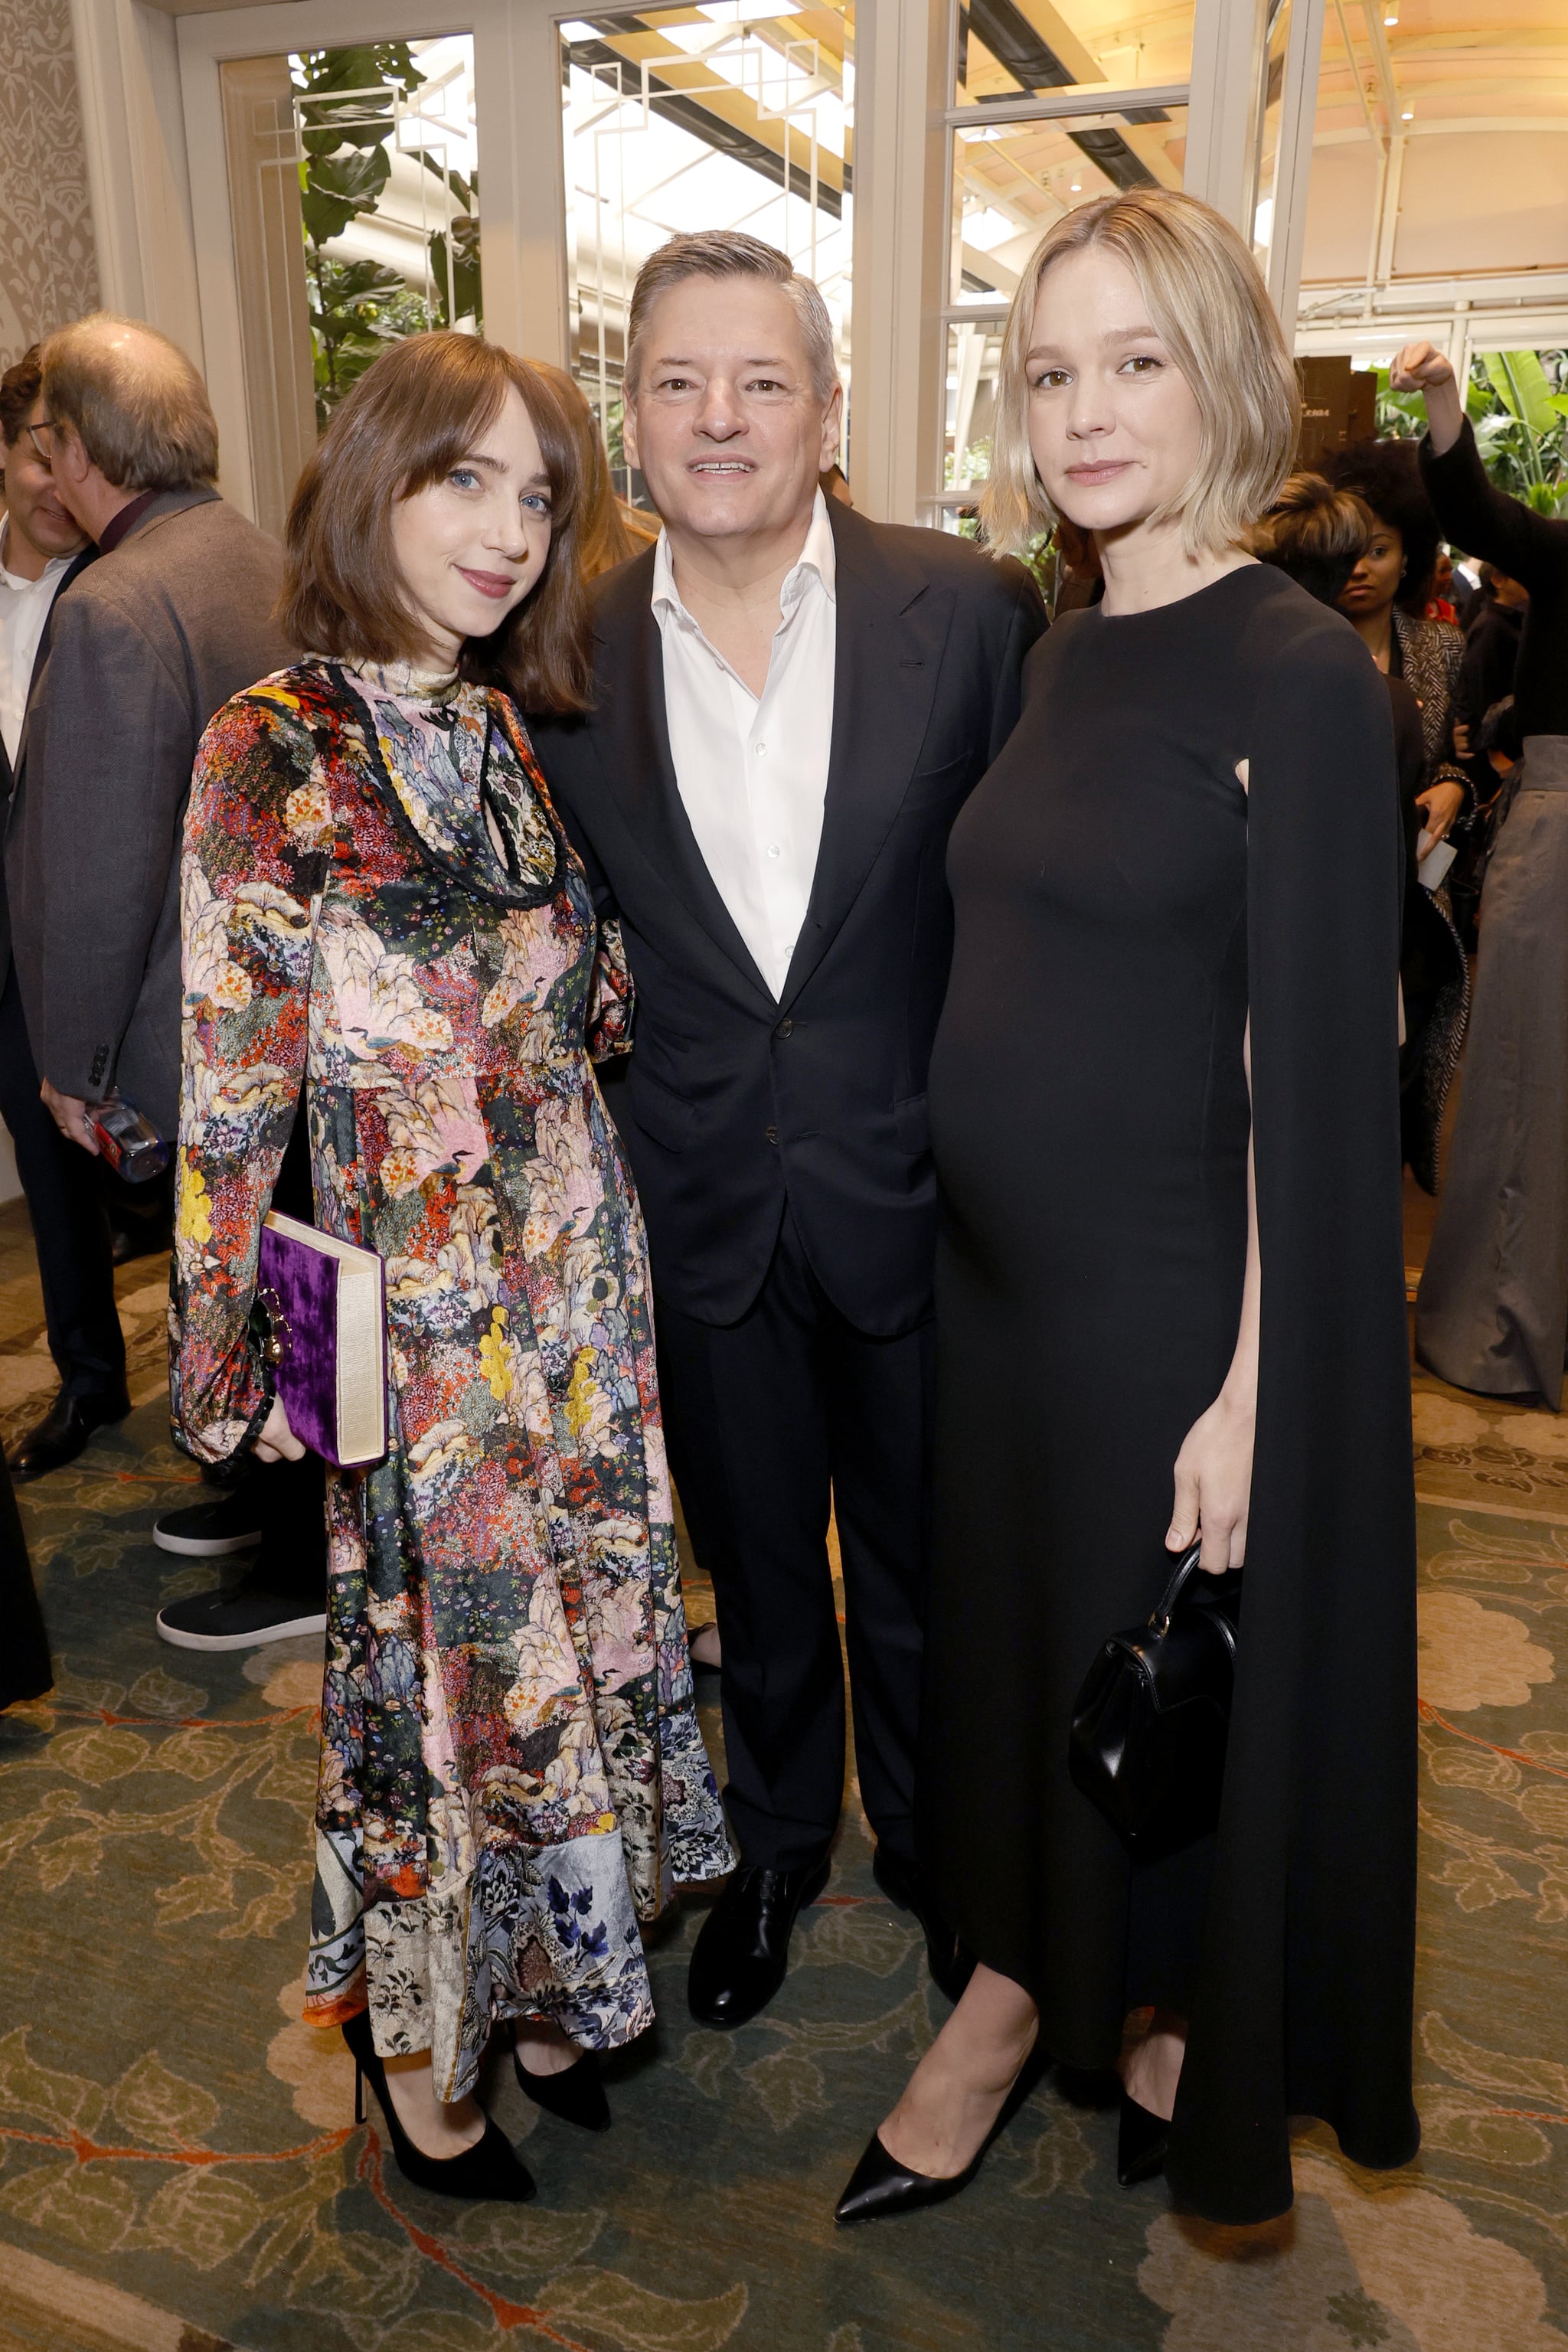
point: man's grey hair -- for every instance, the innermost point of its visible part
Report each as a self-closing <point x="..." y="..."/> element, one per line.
<point x="134" y="402"/>
<point x="729" y="253"/>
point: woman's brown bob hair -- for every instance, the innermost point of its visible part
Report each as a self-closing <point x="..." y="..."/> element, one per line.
<point x="409" y="419"/>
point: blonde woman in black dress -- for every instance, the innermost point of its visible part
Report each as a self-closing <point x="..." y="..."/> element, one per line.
<point x="1164" y="1110"/>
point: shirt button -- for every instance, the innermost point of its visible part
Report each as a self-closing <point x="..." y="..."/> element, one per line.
<point x="772" y="849"/>
<point x="772" y="1133"/>
<point x="761" y="751"/>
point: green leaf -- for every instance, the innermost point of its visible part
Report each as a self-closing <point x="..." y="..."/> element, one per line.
<point x="1497" y="375"/>
<point x="358" y="179"/>
<point x="458" y="285"/>
<point x="1533" y="392"/>
<point x="354" y="280"/>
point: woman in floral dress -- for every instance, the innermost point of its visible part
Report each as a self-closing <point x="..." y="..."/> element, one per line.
<point x="386" y="923"/>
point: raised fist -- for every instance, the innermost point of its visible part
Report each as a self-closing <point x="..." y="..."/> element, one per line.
<point x="1421" y="367"/>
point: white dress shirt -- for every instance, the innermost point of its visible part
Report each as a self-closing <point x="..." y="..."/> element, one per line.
<point x="24" y="609"/>
<point x="753" y="774"/>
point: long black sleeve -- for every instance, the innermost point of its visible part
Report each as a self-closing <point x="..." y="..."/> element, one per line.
<point x="1532" y="549"/>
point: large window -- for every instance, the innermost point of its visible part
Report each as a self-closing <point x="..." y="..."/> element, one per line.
<point x="730" y="115"/>
<point x="1050" y="108"/>
<point x="354" y="196"/>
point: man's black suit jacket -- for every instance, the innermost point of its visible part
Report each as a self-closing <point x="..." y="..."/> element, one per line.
<point x="9" y="778"/>
<point x="732" y="1094"/>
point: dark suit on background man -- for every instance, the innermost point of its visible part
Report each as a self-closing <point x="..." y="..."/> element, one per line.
<point x="780" y="1150"/>
<point x="149" y="645"/>
<point x="65" y="1202"/>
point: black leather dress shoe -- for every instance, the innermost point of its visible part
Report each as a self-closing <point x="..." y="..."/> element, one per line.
<point x="880" y="2184"/>
<point x="1141" y="2140"/>
<point x="64" y="1431"/>
<point x="742" y="1951"/>
<point x="906" y="1887"/>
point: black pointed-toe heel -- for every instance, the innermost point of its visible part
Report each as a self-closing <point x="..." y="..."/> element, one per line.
<point x="491" y="2169"/>
<point x="1141" y="2140"/>
<point x="577" y="2094"/>
<point x="880" y="2184"/>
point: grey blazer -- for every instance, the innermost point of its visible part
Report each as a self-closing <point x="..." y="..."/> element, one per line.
<point x="150" y="643"/>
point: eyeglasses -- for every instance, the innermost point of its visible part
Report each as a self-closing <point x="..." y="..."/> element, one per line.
<point x="40" y="448"/>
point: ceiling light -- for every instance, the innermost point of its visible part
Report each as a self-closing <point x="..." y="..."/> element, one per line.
<point x="1391" y="17"/>
<point x="1409" y="115"/>
<point x="1078" y="187"/>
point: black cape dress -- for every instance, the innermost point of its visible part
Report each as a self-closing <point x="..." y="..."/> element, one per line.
<point x="1121" y="904"/>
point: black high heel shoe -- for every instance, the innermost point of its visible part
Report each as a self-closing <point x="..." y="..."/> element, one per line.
<point x="577" y="2094"/>
<point x="1141" y="2140"/>
<point x="491" y="2169"/>
<point x="880" y="2185"/>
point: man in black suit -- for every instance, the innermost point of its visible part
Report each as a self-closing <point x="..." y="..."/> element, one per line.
<point x="43" y="550"/>
<point x="792" y="705"/>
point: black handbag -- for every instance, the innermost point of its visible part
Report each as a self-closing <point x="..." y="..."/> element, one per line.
<point x="1149" y="1725"/>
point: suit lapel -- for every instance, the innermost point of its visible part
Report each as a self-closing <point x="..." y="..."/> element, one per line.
<point x="89" y="555"/>
<point x="638" y="767"/>
<point x="891" y="628"/>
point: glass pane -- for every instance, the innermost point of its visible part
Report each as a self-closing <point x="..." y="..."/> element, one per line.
<point x="1008" y="48"/>
<point x="973" y="353"/>
<point x="353" y="193"/>
<point x="389" y="180"/>
<point x="1269" y="117"/>
<point x="1012" y="180"/>
<point x="728" y="115"/>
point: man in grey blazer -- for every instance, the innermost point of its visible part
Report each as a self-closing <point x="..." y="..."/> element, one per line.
<point x="175" y="617"/>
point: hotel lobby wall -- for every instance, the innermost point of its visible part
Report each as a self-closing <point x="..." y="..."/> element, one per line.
<point x="49" y="262"/>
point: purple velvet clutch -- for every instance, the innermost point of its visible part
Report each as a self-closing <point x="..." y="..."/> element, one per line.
<point x="325" y="1304"/>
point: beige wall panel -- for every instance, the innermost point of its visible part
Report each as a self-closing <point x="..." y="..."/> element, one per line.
<point x="1339" y="209"/>
<point x="1487" y="200"/>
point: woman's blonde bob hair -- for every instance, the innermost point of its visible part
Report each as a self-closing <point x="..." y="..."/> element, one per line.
<point x="1209" y="306"/>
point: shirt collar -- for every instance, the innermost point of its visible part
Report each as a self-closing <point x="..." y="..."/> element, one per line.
<point x="124" y="521"/>
<point x="51" y="571"/>
<point x="818" y="555"/>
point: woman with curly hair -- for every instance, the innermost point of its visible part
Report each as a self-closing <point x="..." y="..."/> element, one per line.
<point x="1385" y="601"/>
<point x="1321" y="535"/>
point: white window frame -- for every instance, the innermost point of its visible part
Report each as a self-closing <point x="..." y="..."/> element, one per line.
<point x="153" y="108"/>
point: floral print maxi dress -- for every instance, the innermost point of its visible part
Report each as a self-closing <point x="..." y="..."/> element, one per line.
<point x="379" y="900"/>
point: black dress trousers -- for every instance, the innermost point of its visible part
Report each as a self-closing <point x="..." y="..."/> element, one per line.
<point x="772" y="1423"/>
<point x="71" y="1227"/>
<point x="24" y="1668"/>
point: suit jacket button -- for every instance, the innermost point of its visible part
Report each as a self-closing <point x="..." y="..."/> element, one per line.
<point x="772" y="1133"/>
<point x="786" y="1027"/>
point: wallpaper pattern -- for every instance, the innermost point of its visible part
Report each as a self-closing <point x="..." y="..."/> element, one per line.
<point x="48" y="269"/>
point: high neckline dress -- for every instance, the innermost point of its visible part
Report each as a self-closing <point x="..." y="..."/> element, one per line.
<point x="1121" y="904"/>
<point x="381" y="904"/>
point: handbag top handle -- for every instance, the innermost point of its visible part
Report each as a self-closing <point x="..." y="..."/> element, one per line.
<point x="1160" y="1623"/>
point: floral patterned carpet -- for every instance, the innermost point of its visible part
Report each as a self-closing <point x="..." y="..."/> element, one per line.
<point x="180" y="2168"/>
